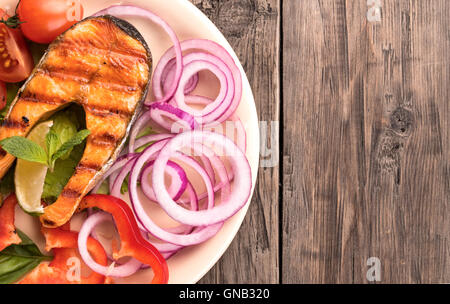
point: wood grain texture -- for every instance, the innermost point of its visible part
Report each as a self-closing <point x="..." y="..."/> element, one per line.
<point x="366" y="142"/>
<point x="252" y="28"/>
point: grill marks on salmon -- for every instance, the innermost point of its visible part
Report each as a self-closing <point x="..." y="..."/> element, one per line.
<point x="101" y="64"/>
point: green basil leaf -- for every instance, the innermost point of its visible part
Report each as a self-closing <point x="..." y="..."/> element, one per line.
<point x="69" y="145"/>
<point x="17" y="268"/>
<point x="17" y="260"/>
<point x="25" y="149"/>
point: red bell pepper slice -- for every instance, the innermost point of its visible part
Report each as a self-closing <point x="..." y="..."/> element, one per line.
<point x="8" y="234"/>
<point x="132" y="242"/>
<point x="64" y="245"/>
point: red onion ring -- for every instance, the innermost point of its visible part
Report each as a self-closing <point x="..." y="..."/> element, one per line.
<point x="182" y="120"/>
<point x="168" y="77"/>
<point x="181" y="229"/>
<point x="238" y="126"/>
<point x="124" y="270"/>
<point x="149" y="152"/>
<point x="119" y="163"/>
<point x="177" y="187"/>
<point x="237" y="198"/>
<point x="117" y="184"/>
<point x="200" y="234"/>
<point x="195" y="63"/>
<point x="138" y="126"/>
<point x="151" y="139"/>
<point x="221" y="55"/>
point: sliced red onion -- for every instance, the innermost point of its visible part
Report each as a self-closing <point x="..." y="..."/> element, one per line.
<point x="117" y="184"/>
<point x="237" y="123"/>
<point x="181" y="229"/>
<point x="135" y="142"/>
<point x="144" y="140"/>
<point x="138" y="126"/>
<point x="217" y="188"/>
<point x="125" y="270"/>
<point x="237" y="198"/>
<point x="119" y="163"/>
<point x="200" y="234"/>
<point x="218" y="164"/>
<point x="178" y="184"/>
<point x="208" y="167"/>
<point x="131" y="10"/>
<point x="194" y="63"/>
<point x="168" y="77"/>
<point x="179" y="120"/>
<point x="149" y="153"/>
<point x="220" y="56"/>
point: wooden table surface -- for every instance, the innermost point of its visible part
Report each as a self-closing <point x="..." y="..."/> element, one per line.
<point x="363" y="110"/>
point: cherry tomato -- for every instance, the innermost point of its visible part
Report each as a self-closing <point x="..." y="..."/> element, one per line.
<point x="2" y="95"/>
<point x="44" y="20"/>
<point x="16" y="62"/>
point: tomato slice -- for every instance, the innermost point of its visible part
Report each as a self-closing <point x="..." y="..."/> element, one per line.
<point x="3" y="95"/>
<point x="44" y="20"/>
<point x="16" y="62"/>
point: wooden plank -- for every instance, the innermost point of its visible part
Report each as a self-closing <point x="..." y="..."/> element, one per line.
<point x="366" y="145"/>
<point x="252" y="28"/>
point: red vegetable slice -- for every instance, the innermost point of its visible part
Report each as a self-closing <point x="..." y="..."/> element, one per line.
<point x="132" y="243"/>
<point x="8" y="234"/>
<point x="64" y="245"/>
<point x="16" y="62"/>
<point x="3" y="95"/>
<point x="124" y="270"/>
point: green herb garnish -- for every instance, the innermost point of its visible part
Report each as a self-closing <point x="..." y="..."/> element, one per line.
<point x="17" y="260"/>
<point x="28" y="150"/>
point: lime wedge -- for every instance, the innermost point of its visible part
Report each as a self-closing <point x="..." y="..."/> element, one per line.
<point x="29" y="177"/>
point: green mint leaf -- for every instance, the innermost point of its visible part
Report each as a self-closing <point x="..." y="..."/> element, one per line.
<point x="52" y="142"/>
<point x="69" y="145"/>
<point x="56" y="180"/>
<point x="17" y="260"/>
<point x="25" y="149"/>
<point x="64" y="128"/>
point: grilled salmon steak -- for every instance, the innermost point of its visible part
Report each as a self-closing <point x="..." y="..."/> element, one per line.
<point x="104" y="65"/>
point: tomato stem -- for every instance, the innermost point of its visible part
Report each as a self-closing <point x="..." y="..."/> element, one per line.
<point x="12" y="22"/>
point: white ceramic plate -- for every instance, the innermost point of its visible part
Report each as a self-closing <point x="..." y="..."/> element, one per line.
<point x="190" y="264"/>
